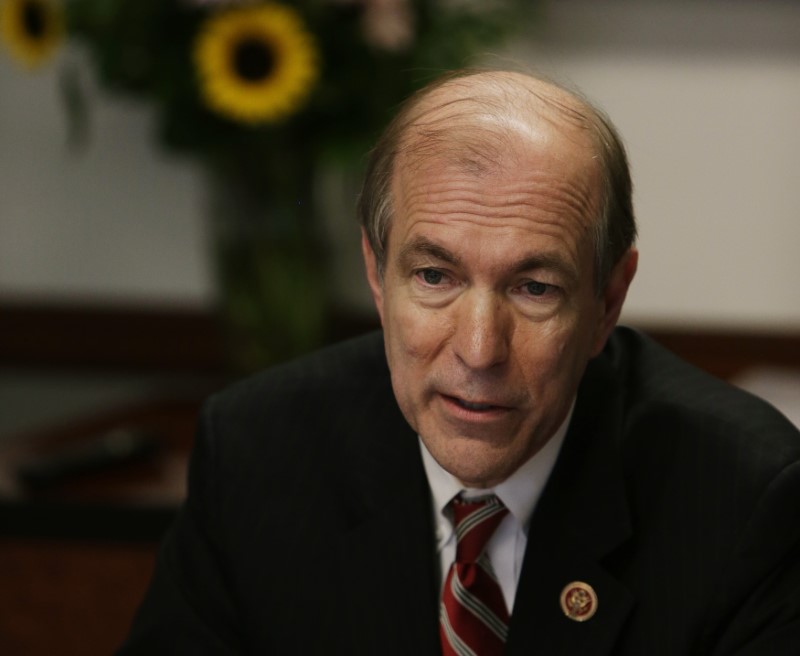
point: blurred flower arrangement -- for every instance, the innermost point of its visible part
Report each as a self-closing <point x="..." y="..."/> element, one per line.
<point x="32" y="31"/>
<point x="264" y="93"/>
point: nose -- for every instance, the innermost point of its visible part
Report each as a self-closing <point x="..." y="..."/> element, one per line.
<point x="482" y="333"/>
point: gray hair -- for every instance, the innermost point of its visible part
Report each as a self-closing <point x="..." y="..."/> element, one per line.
<point x="614" y="230"/>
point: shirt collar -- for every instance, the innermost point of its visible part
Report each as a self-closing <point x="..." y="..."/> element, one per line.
<point x="519" y="492"/>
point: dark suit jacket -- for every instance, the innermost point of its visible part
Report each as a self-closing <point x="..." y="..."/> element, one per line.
<point x="308" y="526"/>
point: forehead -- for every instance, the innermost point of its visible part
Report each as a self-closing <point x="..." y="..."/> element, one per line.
<point x="499" y="189"/>
<point x="546" y="171"/>
<point x="499" y="162"/>
<point x="483" y="111"/>
<point x="501" y="126"/>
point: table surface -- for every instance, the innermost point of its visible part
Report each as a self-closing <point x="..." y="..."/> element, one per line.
<point x="127" y="500"/>
<point x="76" y="556"/>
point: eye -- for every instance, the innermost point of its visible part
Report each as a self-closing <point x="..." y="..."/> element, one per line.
<point x="431" y="276"/>
<point x="535" y="288"/>
<point x="538" y="291"/>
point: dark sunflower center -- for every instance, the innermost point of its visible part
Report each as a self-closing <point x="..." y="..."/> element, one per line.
<point x="34" y="19"/>
<point x="253" y="59"/>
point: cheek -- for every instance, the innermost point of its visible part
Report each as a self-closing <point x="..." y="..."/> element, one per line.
<point x="407" y="349"/>
<point x="574" y="330"/>
<point x="544" y="365"/>
<point x="410" y="354"/>
<point x="416" y="333"/>
<point x="552" y="356"/>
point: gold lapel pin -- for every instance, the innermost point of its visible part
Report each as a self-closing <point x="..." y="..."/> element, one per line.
<point x="578" y="601"/>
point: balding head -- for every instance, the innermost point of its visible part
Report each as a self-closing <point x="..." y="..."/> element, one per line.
<point x="483" y="120"/>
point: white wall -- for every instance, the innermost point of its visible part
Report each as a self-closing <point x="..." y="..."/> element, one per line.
<point x="717" y="191"/>
<point x="118" y="222"/>
<point x="707" y="96"/>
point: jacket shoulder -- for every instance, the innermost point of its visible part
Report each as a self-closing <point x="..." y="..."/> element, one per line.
<point x="712" y="475"/>
<point x="307" y="409"/>
<point x="696" y="442"/>
<point x="653" y="382"/>
<point x="356" y="362"/>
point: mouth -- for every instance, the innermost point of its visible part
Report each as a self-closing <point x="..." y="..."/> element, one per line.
<point x="473" y="406"/>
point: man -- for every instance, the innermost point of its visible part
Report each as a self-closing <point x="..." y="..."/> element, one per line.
<point x="627" y="503"/>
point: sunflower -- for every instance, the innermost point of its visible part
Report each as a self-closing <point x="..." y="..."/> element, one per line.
<point x="257" y="64"/>
<point x="32" y="29"/>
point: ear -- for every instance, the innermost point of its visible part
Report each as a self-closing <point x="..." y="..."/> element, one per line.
<point x="614" y="296"/>
<point x="373" y="275"/>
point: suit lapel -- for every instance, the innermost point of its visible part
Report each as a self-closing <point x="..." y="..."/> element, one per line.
<point x="388" y="552"/>
<point x="580" y="520"/>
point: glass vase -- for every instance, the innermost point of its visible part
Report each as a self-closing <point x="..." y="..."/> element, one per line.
<point x="270" y="265"/>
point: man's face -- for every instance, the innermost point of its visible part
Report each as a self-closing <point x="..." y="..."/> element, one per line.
<point x="488" y="302"/>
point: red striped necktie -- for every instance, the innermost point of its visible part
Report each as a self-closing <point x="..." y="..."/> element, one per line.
<point x="473" y="619"/>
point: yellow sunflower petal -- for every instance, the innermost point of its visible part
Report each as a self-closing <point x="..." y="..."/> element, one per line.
<point x="31" y="29"/>
<point x="256" y="64"/>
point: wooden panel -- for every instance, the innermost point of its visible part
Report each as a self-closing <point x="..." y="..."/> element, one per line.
<point x="727" y="353"/>
<point x="69" y="598"/>
<point x="137" y="338"/>
<point x="76" y="556"/>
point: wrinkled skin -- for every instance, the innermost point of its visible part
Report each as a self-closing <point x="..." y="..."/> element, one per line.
<point x="488" y="300"/>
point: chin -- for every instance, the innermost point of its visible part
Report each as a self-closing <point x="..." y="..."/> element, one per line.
<point x="473" y="462"/>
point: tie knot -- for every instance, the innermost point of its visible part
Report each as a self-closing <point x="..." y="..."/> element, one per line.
<point x="475" y="521"/>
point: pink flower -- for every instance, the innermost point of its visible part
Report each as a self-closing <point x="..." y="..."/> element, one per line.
<point x="387" y="24"/>
<point x="216" y="3"/>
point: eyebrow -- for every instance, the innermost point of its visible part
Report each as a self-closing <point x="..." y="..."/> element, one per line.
<point x="545" y="261"/>
<point x="422" y="246"/>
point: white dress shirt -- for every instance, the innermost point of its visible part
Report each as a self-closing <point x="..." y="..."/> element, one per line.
<point x="520" y="493"/>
